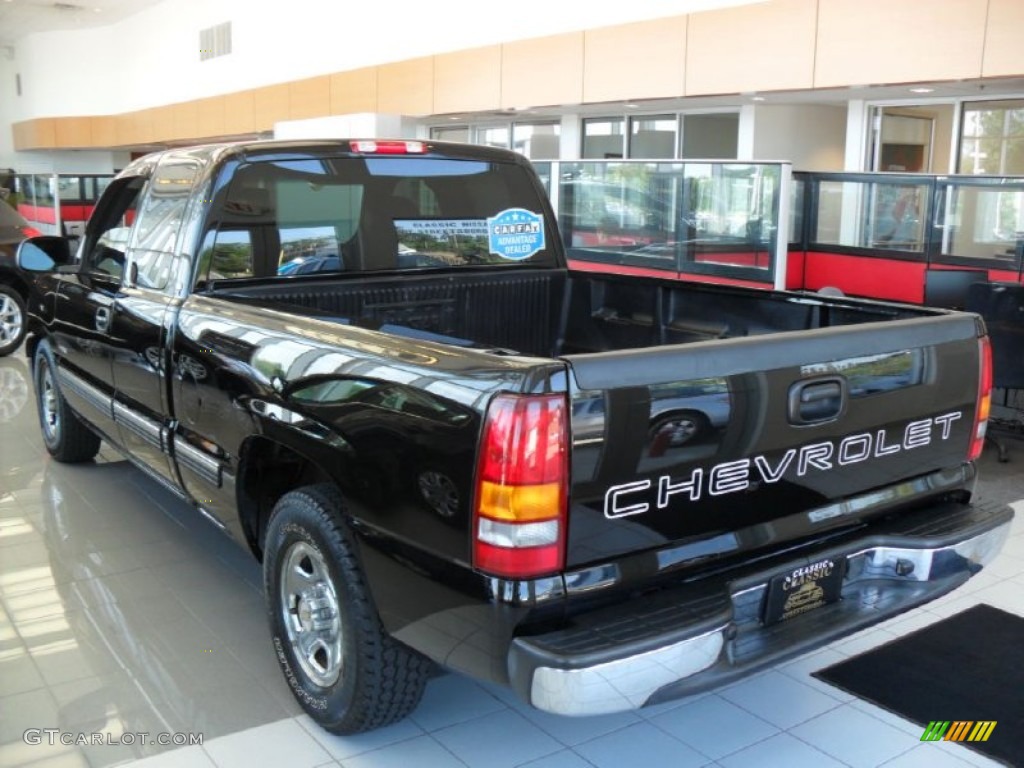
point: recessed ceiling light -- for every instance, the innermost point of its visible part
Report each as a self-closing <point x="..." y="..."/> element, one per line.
<point x="921" y="90"/>
<point x="632" y="106"/>
<point x="757" y="98"/>
<point x="456" y="117"/>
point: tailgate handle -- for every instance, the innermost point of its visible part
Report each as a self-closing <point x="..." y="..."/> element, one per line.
<point x="814" y="402"/>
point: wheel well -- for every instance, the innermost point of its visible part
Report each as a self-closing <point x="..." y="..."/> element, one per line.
<point x="15" y="282"/>
<point x="268" y="471"/>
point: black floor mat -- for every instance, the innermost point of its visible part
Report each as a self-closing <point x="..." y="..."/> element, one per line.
<point x="969" y="667"/>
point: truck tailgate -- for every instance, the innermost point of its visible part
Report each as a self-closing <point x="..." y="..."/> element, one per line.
<point x="720" y="448"/>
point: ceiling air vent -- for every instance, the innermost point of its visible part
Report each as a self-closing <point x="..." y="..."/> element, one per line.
<point x="215" y="41"/>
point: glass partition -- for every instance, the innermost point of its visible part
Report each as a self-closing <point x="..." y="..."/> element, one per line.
<point x="57" y="203"/>
<point x="881" y="215"/>
<point x="543" y="170"/>
<point x="696" y="217"/>
<point x="795" y="235"/>
<point x="984" y="221"/>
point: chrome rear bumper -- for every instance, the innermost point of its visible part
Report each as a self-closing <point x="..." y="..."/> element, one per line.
<point x="626" y="659"/>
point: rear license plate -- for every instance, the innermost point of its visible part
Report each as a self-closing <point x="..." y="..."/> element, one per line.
<point x="803" y="589"/>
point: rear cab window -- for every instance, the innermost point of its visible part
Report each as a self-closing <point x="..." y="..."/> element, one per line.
<point x="366" y="214"/>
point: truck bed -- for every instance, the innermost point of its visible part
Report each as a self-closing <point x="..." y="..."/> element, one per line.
<point x="548" y="313"/>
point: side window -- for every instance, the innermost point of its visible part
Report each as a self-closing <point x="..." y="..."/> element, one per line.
<point x="162" y="211"/>
<point x="226" y="253"/>
<point x="106" y="242"/>
<point x="232" y="255"/>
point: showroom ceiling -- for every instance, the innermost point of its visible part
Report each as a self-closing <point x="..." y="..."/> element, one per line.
<point x="25" y="17"/>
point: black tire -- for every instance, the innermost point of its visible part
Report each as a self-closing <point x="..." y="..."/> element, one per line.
<point x="13" y="323"/>
<point x="356" y="677"/>
<point x="65" y="436"/>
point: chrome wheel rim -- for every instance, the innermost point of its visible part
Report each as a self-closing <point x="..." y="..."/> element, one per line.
<point x="440" y="493"/>
<point x="10" y="319"/>
<point x="309" y="609"/>
<point x="49" y="410"/>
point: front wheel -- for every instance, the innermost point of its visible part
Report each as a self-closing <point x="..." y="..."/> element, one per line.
<point x="341" y="665"/>
<point x="12" y="320"/>
<point x="65" y="436"/>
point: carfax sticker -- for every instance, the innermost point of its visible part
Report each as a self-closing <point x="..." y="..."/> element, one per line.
<point x="515" y="234"/>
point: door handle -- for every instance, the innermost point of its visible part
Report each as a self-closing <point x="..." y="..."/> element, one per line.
<point x="103" y="318"/>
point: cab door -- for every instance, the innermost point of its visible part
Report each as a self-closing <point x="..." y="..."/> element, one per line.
<point x="84" y="333"/>
<point x="145" y="313"/>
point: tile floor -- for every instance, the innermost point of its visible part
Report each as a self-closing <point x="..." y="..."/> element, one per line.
<point x="122" y="611"/>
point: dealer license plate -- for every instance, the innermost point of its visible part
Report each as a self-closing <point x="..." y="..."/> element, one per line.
<point x="803" y="589"/>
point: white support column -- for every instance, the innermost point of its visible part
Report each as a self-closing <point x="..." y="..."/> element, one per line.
<point x="858" y="130"/>
<point x="782" y="230"/>
<point x="570" y="141"/>
<point x="745" y="133"/>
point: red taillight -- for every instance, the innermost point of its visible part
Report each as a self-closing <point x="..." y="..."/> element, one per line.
<point x="30" y="231"/>
<point x="984" y="399"/>
<point x="371" y="147"/>
<point x="519" y="516"/>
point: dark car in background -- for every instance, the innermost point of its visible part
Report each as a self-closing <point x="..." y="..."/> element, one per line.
<point x="13" y="289"/>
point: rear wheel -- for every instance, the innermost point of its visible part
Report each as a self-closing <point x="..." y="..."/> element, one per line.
<point x="12" y="319"/>
<point x="65" y="436"/>
<point x="343" y="668"/>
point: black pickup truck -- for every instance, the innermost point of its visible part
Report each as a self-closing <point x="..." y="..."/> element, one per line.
<point x="368" y="361"/>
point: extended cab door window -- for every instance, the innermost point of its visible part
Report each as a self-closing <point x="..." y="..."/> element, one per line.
<point x="154" y="256"/>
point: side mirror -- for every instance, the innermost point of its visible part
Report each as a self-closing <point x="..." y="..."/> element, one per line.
<point x="44" y="253"/>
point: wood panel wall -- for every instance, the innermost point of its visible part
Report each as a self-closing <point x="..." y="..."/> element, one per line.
<point x="773" y="45"/>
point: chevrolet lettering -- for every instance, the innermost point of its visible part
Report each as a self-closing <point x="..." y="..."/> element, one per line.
<point x="372" y="364"/>
<point x="736" y="476"/>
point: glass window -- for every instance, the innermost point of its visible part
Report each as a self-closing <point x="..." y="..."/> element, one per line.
<point x="888" y="216"/>
<point x="732" y="212"/>
<point x="311" y="249"/>
<point x="603" y="138"/>
<point x="707" y="218"/>
<point x="711" y="136"/>
<point x="376" y="213"/>
<point x="159" y="221"/>
<point x="992" y="138"/>
<point x="227" y="254"/>
<point x="108" y="231"/>
<point x="458" y="133"/>
<point x="653" y="137"/>
<point x="984" y="223"/>
<point x="796" y="212"/>
<point x="69" y="189"/>
<point x="163" y="207"/>
<point x="492" y="136"/>
<point x="538" y="141"/>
